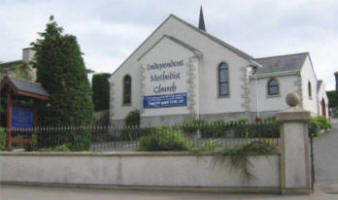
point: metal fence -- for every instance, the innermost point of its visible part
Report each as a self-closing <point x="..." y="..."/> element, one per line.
<point x="109" y="138"/>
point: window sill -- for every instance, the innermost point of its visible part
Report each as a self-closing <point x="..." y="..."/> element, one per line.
<point x="273" y="96"/>
<point x="223" y="96"/>
<point x="126" y="104"/>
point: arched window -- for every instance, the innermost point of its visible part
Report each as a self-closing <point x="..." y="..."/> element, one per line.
<point x="273" y="87"/>
<point x="309" y="89"/>
<point x="223" y="79"/>
<point x="127" y="89"/>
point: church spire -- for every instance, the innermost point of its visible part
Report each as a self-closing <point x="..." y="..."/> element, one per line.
<point x="201" y="24"/>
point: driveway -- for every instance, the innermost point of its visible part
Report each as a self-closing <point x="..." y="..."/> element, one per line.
<point x="326" y="160"/>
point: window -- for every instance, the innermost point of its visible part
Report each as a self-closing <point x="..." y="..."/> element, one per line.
<point x="309" y="89"/>
<point x="223" y="79"/>
<point x="127" y="89"/>
<point x="273" y="87"/>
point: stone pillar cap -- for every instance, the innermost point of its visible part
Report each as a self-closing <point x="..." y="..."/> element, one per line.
<point x="293" y="114"/>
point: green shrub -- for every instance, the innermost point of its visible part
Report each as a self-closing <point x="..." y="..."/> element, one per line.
<point x="193" y="126"/>
<point x="165" y="139"/>
<point x="322" y="121"/>
<point x="209" y="145"/>
<point x="32" y="145"/>
<point x="210" y="129"/>
<point x="239" y="156"/>
<point x="219" y="128"/>
<point x="132" y="134"/>
<point x="58" y="148"/>
<point x="259" y="147"/>
<point x="314" y="129"/>
<point x="2" y="139"/>
<point x="258" y="130"/>
<point x="133" y="119"/>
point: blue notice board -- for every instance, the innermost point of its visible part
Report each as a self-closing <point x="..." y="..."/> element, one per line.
<point x="22" y="117"/>
<point x="165" y="100"/>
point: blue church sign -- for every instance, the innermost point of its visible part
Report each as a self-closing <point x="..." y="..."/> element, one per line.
<point x="22" y="117"/>
<point x="165" y="100"/>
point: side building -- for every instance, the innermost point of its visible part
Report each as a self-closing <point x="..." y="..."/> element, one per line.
<point x="19" y="68"/>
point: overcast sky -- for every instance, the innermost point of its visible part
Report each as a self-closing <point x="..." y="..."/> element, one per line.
<point x="109" y="30"/>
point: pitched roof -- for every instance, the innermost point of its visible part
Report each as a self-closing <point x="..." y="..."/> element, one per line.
<point x="24" y="87"/>
<point x="11" y="63"/>
<point x="283" y="63"/>
<point x="217" y="40"/>
<point x="213" y="38"/>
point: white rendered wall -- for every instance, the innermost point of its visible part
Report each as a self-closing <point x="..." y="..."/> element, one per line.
<point x="213" y="55"/>
<point x="267" y="102"/>
<point x="307" y="74"/>
<point x="165" y="51"/>
<point x="136" y="169"/>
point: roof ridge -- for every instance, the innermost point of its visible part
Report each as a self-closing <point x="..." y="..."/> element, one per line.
<point x="291" y="54"/>
<point x="8" y="62"/>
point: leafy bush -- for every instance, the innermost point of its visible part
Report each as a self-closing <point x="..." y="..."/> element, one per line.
<point x="209" y="145"/>
<point x="258" y="130"/>
<point x="210" y="129"/>
<point x="220" y="128"/>
<point x="32" y="145"/>
<point x="317" y="124"/>
<point x="165" y="139"/>
<point x="314" y="129"/>
<point x="132" y="134"/>
<point x="259" y="147"/>
<point x="239" y="156"/>
<point x="59" y="148"/>
<point x="133" y="119"/>
<point x="2" y="139"/>
<point x="322" y="121"/>
<point x="193" y="126"/>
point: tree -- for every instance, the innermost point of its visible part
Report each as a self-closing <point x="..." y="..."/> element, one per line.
<point x="333" y="98"/>
<point x="61" y="71"/>
<point x="100" y="86"/>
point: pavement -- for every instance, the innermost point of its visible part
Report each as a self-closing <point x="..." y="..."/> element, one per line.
<point x="12" y="192"/>
<point x="325" y="150"/>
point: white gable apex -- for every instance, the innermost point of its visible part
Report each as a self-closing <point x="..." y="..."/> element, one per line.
<point x="171" y="39"/>
<point x="177" y="28"/>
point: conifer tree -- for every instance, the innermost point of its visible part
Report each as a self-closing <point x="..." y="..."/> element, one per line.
<point x="61" y="71"/>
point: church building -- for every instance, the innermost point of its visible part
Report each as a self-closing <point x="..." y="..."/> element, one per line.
<point x="181" y="72"/>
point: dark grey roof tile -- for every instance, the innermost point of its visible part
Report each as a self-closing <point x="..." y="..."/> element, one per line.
<point x="283" y="63"/>
<point x="27" y="86"/>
